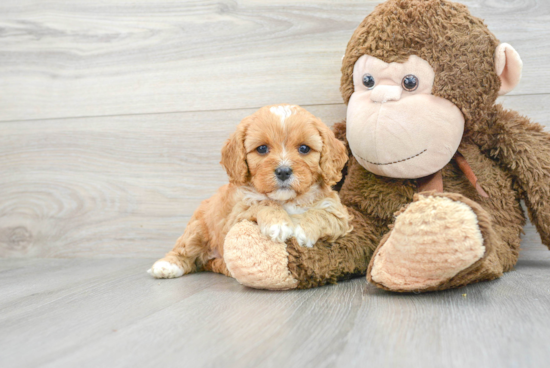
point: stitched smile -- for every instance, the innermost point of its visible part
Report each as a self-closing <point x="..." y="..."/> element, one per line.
<point x="394" y="162"/>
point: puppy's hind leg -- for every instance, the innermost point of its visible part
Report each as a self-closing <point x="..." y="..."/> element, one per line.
<point x="181" y="260"/>
<point x="217" y="265"/>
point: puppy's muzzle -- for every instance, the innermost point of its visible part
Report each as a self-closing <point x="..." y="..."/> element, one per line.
<point x="283" y="173"/>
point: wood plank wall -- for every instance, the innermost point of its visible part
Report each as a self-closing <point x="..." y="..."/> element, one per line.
<point x="113" y="113"/>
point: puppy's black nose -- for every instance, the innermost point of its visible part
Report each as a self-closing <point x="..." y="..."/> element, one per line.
<point x="282" y="173"/>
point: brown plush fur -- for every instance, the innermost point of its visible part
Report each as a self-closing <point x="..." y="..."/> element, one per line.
<point x="330" y="262"/>
<point x="509" y="155"/>
<point x="458" y="46"/>
<point x="479" y="271"/>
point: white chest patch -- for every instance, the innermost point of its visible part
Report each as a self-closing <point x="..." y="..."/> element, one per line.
<point x="283" y="112"/>
<point x="250" y="196"/>
<point x="282" y="195"/>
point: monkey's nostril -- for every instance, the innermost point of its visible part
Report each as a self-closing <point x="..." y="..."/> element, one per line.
<point x="283" y="173"/>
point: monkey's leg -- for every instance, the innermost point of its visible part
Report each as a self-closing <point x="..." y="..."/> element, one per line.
<point x="440" y="241"/>
<point x="181" y="260"/>
<point x="258" y="262"/>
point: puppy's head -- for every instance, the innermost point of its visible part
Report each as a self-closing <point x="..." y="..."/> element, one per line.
<point x="282" y="151"/>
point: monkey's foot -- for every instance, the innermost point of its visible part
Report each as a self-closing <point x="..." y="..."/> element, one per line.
<point x="435" y="244"/>
<point x="256" y="261"/>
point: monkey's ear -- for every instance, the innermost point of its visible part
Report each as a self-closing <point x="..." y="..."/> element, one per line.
<point x="508" y="66"/>
<point x="234" y="155"/>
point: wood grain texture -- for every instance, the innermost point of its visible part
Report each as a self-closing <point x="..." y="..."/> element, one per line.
<point x="119" y="186"/>
<point x="96" y="313"/>
<point x="82" y="58"/>
<point x="122" y="186"/>
<point x="112" y="115"/>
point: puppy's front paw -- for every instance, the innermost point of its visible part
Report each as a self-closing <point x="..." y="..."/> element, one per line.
<point x="277" y="232"/>
<point x="165" y="270"/>
<point x="302" y="238"/>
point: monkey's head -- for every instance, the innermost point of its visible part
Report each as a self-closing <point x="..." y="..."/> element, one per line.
<point x="418" y="76"/>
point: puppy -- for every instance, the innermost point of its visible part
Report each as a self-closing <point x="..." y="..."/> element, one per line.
<point x="281" y="162"/>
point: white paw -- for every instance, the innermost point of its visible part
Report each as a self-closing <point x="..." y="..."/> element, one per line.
<point x="277" y="232"/>
<point x="302" y="239"/>
<point x="165" y="270"/>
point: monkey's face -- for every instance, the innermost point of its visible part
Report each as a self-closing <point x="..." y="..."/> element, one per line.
<point x="396" y="127"/>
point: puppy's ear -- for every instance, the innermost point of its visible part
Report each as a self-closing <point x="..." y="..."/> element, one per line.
<point x="234" y="155"/>
<point x="333" y="155"/>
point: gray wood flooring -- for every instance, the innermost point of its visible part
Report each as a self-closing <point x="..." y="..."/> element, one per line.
<point x="109" y="313"/>
<point x="112" y="115"/>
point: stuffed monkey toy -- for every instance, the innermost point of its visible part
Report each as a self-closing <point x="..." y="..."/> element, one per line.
<point x="437" y="169"/>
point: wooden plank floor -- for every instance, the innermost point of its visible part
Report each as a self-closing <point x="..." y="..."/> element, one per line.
<point x="109" y="313"/>
<point x="112" y="115"/>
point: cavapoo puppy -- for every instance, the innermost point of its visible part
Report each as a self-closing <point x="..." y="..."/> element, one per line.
<point x="281" y="162"/>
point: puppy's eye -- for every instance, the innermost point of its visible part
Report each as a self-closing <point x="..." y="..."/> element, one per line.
<point x="262" y="150"/>
<point x="304" y="149"/>
<point x="410" y="83"/>
<point x="368" y="81"/>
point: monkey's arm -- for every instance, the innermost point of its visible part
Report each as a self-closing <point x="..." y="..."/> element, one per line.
<point x="523" y="148"/>
<point x="339" y="130"/>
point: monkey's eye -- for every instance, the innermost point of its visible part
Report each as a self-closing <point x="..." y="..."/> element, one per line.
<point x="262" y="150"/>
<point x="304" y="149"/>
<point x="368" y="81"/>
<point x="410" y="83"/>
